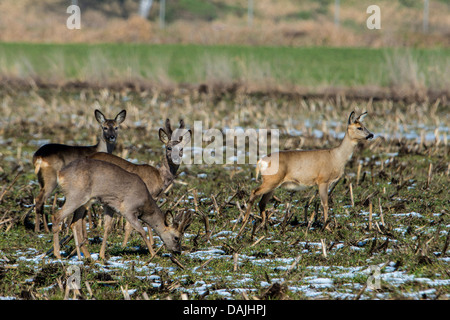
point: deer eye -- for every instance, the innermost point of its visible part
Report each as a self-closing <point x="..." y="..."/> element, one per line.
<point x="176" y="239"/>
<point x="105" y="128"/>
<point x="116" y="128"/>
<point x="359" y="128"/>
<point x="169" y="148"/>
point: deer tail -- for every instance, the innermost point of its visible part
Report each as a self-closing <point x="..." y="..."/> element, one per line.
<point x="37" y="165"/>
<point x="257" y="170"/>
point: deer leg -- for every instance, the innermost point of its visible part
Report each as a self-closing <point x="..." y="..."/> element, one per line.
<point x="265" y="200"/>
<point x="69" y="207"/>
<point x="134" y="222"/>
<point x="108" y="218"/>
<point x="150" y="235"/>
<point x="128" y="230"/>
<point x="79" y="227"/>
<point x="262" y="208"/>
<point x="250" y="202"/>
<point x="47" y="186"/>
<point x="323" y="192"/>
<point x="261" y="190"/>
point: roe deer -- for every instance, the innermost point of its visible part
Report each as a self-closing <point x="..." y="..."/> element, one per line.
<point x="86" y="179"/>
<point x="51" y="158"/>
<point x="157" y="180"/>
<point x="298" y="169"/>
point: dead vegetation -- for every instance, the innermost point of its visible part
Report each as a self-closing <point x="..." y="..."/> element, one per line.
<point x="286" y="23"/>
<point x="391" y="206"/>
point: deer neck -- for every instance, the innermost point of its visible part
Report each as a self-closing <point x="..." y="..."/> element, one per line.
<point x="344" y="151"/>
<point x="103" y="146"/>
<point x="154" y="217"/>
<point x="168" y="172"/>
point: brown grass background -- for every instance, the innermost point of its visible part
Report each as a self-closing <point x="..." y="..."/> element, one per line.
<point x="274" y="23"/>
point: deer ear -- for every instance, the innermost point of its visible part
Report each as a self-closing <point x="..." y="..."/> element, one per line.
<point x="168" y="127"/>
<point x="185" y="138"/>
<point x="168" y="218"/>
<point x="362" y="116"/>
<point x="351" y="118"/>
<point x="163" y="136"/>
<point x="121" y="116"/>
<point x="182" y="221"/>
<point x="99" y="116"/>
<point x="187" y="220"/>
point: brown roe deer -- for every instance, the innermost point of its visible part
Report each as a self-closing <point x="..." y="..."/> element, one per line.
<point x="298" y="169"/>
<point x="51" y="158"/>
<point x="157" y="180"/>
<point x="86" y="179"/>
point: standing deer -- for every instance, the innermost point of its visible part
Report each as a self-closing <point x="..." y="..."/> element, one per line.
<point x="51" y="158"/>
<point x="157" y="180"/>
<point x="299" y="169"/>
<point x="126" y="193"/>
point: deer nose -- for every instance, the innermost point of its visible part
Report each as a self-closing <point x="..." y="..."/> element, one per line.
<point x="370" y="136"/>
<point x="111" y="138"/>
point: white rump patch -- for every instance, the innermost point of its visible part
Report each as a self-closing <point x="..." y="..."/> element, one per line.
<point x="263" y="164"/>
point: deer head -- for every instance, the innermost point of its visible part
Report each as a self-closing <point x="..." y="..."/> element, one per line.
<point x="356" y="129"/>
<point x="174" y="141"/>
<point x="175" y="228"/>
<point x="110" y="127"/>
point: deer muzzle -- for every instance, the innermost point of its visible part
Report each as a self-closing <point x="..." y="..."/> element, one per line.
<point x="111" y="138"/>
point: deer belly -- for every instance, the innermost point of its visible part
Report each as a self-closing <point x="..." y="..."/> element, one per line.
<point x="294" y="186"/>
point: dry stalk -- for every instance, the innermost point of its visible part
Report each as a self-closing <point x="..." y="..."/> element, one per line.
<point x="430" y="170"/>
<point x="324" y="248"/>
<point x="216" y="207"/>
<point x="205" y="263"/>
<point x="381" y="212"/>
<point x="359" y="173"/>
<point x="203" y="216"/>
<point x="10" y="185"/>
<point x="292" y="267"/>
<point x="125" y="293"/>
<point x="257" y="241"/>
<point x="178" y="263"/>
<point x="235" y="261"/>
<point x="351" y="195"/>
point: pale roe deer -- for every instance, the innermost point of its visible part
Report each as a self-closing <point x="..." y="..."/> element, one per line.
<point x="298" y="169"/>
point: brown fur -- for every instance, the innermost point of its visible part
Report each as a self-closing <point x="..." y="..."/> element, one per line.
<point x="86" y="179"/>
<point x="49" y="159"/>
<point x="296" y="169"/>
<point x="156" y="179"/>
<point x="150" y="175"/>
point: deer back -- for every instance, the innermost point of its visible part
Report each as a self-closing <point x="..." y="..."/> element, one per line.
<point x="56" y="156"/>
<point x="149" y="174"/>
<point x="89" y="178"/>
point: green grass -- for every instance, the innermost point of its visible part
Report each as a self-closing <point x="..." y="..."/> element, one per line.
<point x="278" y="66"/>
